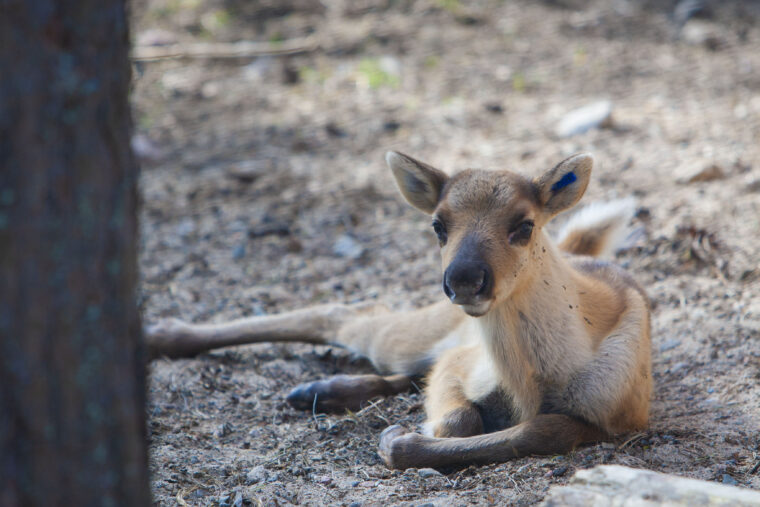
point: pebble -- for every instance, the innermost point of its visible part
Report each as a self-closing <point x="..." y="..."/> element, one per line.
<point x="427" y="473"/>
<point x="702" y="33"/>
<point x="222" y="430"/>
<point x="690" y="173"/>
<point x="494" y="107"/>
<point x="238" y="252"/>
<point x="145" y="148"/>
<point x="588" y="117"/>
<point x="348" y="247"/>
<point x="155" y="37"/>
<point x="557" y="472"/>
<point x="186" y="227"/>
<point x="257" y="474"/>
<point x="669" y="345"/>
<point x="752" y="184"/>
<point x="727" y="479"/>
<point x="246" y="171"/>
<point x="198" y="494"/>
<point x="678" y="367"/>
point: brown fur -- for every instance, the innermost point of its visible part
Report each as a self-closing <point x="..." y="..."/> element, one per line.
<point x="551" y="350"/>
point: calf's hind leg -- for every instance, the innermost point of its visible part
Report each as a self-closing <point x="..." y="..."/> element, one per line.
<point x="343" y="392"/>
<point x="403" y="345"/>
<point x="400" y="345"/>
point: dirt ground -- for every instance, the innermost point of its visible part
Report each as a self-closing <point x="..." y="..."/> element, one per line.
<point x="264" y="189"/>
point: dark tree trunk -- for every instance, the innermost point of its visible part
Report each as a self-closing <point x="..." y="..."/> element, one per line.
<point x="72" y="429"/>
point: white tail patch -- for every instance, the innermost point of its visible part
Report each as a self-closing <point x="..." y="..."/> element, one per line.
<point x="607" y="223"/>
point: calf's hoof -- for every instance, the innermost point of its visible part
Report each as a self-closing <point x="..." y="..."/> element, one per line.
<point x="399" y="448"/>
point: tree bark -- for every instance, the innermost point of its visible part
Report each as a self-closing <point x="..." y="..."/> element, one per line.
<point x="72" y="393"/>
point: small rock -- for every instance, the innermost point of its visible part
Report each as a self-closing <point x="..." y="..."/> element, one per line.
<point x="247" y="171"/>
<point x="391" y="126"/>
<point x="494" y="107"/>
<point x="334" y="130"/>
<point x="186" y="227"/>
<point x="557" y="472"/>
<point x="155" y="37"/>
<point x="270" y="229"/>
<point x="608" y="446"/>
<point x="669" y="345"/>
<point x="222" y="430"/>
<point x="701" y="33"/>
<point x="239" y="252"/>
<point x="198" y="494"/>
<point x="693" y="174"/>
<point x="290" y="75"/>
<point x="427" y="473"/>
<point x="595" y="115"/>
<point x="210" y="89"/>
<point x="258" y="69"/>
<point x="678" y="367"/>
<point x="727" y="479"/>
<point x="390" y="65"/>
<point x="348" y="247"/>
<point x="752" y="184"/>
<point x="257" y="474"/>
<point x="324" y="479"/>
<point x="145" y="149"/>
<point x="224" y="499"/>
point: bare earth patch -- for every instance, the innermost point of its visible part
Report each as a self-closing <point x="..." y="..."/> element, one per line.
<point x="264" y="189"/>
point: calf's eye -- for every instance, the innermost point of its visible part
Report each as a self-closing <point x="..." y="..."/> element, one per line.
<point x="521" y="234"/>
<point x="440" y="231"/>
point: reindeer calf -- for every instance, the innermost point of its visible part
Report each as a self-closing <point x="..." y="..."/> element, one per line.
<point x="543" y="348"/>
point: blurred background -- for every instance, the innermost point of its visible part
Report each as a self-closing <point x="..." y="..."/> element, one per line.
<point x="261" y="127"/>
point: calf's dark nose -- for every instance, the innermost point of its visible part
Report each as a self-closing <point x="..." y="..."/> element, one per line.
<point x="465" y="282"/>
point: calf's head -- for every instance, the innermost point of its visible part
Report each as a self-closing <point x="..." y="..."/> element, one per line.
<point x="489" y="223"/>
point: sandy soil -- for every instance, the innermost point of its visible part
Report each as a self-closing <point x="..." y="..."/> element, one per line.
<point x="264" y="189"/>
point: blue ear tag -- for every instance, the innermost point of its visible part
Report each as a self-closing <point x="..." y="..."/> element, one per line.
<point x="566" y="180"/>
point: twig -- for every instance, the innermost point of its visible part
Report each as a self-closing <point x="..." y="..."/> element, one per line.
<point x="314" y="411"/>
<point x="369" y="407"/>
<point x="637" y="436"/>
<point x="240" y="49"/>
<point x="181" y="494"/>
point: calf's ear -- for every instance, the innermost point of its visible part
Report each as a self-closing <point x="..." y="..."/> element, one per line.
<point x="563" y="186"/>
<point x="420" y="184"/>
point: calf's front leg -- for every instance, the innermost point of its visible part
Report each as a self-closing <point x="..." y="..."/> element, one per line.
<point x="544" y="434"/>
